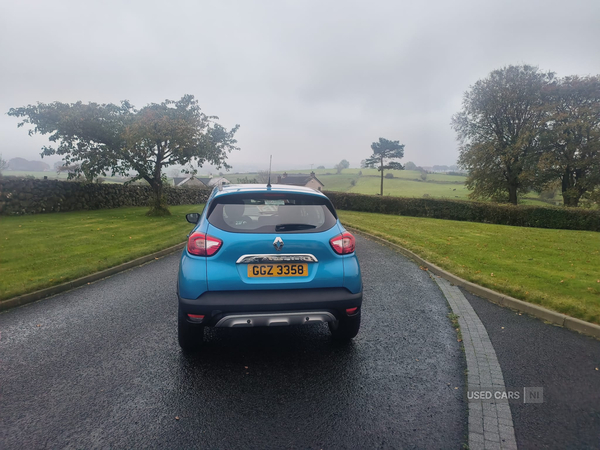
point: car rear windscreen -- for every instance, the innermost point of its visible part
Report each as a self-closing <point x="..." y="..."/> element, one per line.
<point x="272" y="213"/>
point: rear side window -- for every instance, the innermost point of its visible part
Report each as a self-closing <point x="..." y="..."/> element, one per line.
<point x="272" y="213"/>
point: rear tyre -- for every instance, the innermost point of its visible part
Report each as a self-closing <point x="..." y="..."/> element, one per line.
<point x="345" y="328"/>
<point x="190" y="335"/>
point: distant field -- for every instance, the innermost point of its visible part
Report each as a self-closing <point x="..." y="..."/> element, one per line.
<point x="406" y="183"/>
<point x="405" y="174"/>
<point x="354" y="173"/>
<point x="397" y="187"/>
<point x="22" y="173"/>
<point x="403" y="187"/>
<point x="51" y="175"/>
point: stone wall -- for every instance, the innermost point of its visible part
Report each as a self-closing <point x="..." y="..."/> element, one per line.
<point x="34" y="196"/>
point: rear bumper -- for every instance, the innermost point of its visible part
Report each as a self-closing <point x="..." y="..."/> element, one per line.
<point x="216" y="305"/>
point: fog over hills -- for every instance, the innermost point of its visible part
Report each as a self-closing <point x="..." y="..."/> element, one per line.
<point x="309" y="82"/>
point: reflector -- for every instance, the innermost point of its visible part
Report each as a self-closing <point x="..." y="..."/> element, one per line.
<point x="351" y="311"/>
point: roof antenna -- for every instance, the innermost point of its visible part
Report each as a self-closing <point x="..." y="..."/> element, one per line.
<point x="270" y="162"/>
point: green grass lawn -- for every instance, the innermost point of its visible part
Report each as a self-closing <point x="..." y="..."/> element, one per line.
<point x="43" y="250"/>
<point x="558" y="269"/>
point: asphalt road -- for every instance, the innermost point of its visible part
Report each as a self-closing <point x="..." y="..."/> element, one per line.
<point x="564" y="363"/>
<point x="99" y="366"/>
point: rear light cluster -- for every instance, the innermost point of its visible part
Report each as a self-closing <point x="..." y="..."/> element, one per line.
<point x="343" y="243"/>
<point x="201" y="244"/>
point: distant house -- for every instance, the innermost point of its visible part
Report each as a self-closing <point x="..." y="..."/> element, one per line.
<point x="200" y="182"/>
<point x="214" y="181"/>
<point x="299" y="179"/>
<point x="187" y="182"/>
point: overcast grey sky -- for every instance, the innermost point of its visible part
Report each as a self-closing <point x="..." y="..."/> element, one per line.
<point x="311" y="82"/>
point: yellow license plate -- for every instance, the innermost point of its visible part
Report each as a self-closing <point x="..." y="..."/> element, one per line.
<point x="277" y="270"/>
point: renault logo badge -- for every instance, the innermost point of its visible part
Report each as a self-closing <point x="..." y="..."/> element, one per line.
<point x="278" y="243"/>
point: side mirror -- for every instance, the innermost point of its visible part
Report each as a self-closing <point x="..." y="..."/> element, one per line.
<point x="192" y="218"/>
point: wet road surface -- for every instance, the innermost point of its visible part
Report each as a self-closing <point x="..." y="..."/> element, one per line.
<point x="562" y="362"/>
<point x="99" y="366"/>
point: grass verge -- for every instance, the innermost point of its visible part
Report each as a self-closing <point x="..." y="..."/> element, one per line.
<point x="558" y="269"/>
<point x="44" y="250"/>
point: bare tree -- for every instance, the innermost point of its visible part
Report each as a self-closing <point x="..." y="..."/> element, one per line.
<point x="262" y="177"/>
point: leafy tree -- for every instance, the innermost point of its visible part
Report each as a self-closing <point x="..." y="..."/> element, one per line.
<point x="498" y="131"/>
<point x="411" y="166"/>
<point x="594" y="198"/>
<point x="120" y="139"/>
<point x="384" y="152"/>
<point x="343" y="164"/>
<point x="320" y="167"/>
<point x="572" y="138"/>
<point x="3" y="163"/>
<point x="73" y="170"/>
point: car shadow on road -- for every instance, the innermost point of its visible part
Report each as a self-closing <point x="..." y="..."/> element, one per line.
<point x="279" y="351"/>
<point x="272" y="385"/>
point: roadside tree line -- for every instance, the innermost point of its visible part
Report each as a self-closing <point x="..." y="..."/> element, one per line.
<point x="521" y="129"/>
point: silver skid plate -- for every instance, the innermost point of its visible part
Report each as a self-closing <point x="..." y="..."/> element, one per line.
<point x="275" y="319"/>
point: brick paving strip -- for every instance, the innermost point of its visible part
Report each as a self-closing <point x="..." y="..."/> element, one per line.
<point x="490" y="421"/>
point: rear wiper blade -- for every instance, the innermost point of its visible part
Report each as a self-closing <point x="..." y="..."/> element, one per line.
<point x="293" y="226"/>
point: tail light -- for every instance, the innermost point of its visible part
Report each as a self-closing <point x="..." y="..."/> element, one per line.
<point x="201" y="244"/>
<point x="343" y="244"/>
<point x="196" y="317"/>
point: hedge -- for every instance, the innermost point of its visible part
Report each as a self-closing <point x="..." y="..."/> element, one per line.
<point x="34" y="196"/>
<point x="502" y="214"/>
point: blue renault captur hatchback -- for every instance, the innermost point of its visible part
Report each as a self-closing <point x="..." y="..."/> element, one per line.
<point x="267" y="256"/>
